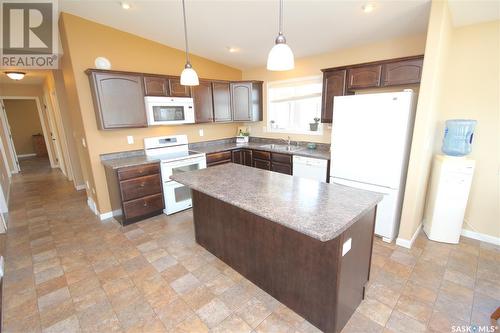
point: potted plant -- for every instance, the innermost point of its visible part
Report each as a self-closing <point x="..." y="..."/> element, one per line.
<point x="314" y="126"/>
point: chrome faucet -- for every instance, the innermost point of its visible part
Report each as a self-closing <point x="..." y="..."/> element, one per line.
<point x="288" y="141"/>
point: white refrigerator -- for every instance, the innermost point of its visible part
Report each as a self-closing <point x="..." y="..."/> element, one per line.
<point x="371" y="138"/>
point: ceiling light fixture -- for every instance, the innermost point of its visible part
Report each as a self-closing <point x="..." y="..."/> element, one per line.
<point x="280" y="57"/>
<point x="368" y="8"/>
<point x="125" y="5"/>
<point x="232" y="49"/>
<point x="188" y="76"/>
<point x="15" y="75"/>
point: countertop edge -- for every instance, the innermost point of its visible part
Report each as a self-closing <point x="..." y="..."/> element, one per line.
<point x="320" y="237"/>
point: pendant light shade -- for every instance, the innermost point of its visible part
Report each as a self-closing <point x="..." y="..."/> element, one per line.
<point x="280" y="57"/>
<point x="15" y="75"/>
<point x="188" y="76"/>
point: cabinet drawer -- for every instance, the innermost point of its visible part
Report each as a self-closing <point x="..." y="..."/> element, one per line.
<point x="143" y="206"/>
<point x="282" y="168"/>
<point x="140" y="187"/>
<point x="282" y="158"/>
<point x="263" y="155"/>
<point x="364" y="77"/>
<point x="138" y="171"/>
<point x="261" y="164"/>
<point x="215" y="158"/>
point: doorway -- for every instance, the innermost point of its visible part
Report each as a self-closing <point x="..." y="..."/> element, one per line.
<point x="24" y="130"/>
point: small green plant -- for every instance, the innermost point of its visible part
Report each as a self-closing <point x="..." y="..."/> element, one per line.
<point x="314" y="126"/>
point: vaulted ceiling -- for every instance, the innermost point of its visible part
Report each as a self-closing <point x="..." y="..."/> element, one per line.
<point x="311" y="26"/>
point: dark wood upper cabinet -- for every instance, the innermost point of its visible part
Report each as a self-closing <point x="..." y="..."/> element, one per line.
<point x="222" y="101"/>
<point x="203" y="102"/>
<point x="364" y="77"/>
<point x="118" y="99"/>
<point x="156" y="86"/>
<point x="177" y="89"/>
<point x="402" y="72"/>
<point x="334" y="84"/>
<point x="344" y="80"/>
<point x="246" y="101"/>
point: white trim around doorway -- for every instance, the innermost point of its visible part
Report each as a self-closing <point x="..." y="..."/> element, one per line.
<point x="46" y="135"/>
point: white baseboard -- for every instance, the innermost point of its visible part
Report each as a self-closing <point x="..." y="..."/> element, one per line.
<point x="26" y="155"/>
<point x="409" y="243"/>
<point x="482" y="237"/>
<point x="80" y="187"/>
<point x="109" y="215"/>
<point x="92" y="206"/>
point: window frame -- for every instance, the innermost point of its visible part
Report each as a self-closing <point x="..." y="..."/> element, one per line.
<point x="269" y="86"/>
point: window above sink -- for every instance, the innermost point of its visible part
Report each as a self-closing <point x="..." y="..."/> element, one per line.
<point x="293" y="105"/>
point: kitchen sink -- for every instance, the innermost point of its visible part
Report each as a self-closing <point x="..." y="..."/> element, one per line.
<point x="281" y="147"/>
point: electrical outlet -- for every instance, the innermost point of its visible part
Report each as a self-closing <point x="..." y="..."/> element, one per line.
<point x="130" y="139"/>
<point x="84" y="144"/>
<point x="200" y="131"/>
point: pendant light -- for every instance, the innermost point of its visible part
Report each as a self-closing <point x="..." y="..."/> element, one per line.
<point x="188" y="76"/>
<point x="280" y="57"/>
<point x="15" y="75"/>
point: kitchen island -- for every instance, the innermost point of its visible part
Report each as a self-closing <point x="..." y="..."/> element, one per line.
<point x="306" y="243"/>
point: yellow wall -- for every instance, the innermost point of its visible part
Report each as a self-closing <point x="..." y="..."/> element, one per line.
<point x="460" y="80"/>
<point x="311" y="66"/>
<point x="24" y="122"/>
<point x="471" y="90"/>
<point x="82" y="42"/>
<point x="424" y="132"/>
<point x="17" y="90"/>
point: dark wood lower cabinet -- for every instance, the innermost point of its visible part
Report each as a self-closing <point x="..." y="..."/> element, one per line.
<point x="313" y="278"/>
<point x="218" y="158"/>
<point x="282" y="168"/>
<point x="261" y="164"/>
<point x="260" y="159"/>
<point x="242" y="156"/>
<point x="135" y="192"/>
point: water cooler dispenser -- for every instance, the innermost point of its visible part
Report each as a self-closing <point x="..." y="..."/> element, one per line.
<point x="450" y="183"/>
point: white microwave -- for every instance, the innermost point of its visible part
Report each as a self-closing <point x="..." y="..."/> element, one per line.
<point x="169" y="110"/>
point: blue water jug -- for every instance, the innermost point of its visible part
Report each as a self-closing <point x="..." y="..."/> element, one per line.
<point x="458" y="135"/>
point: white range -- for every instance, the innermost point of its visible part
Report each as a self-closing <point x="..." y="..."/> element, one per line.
<point x="371" y="138"/>
<point x="175" y="156"/>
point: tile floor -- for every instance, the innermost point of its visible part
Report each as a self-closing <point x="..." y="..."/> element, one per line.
<point x="66" y="271"/>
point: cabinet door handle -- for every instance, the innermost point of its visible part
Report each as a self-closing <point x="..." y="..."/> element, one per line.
<point x="145" y="204"/>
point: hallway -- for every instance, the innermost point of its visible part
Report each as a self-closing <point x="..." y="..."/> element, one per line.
<point x="66" y="271"/>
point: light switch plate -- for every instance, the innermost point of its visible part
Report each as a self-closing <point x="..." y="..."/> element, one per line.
<point x="346" y="247"/>
<point x="201" y="132"/>
<point x="130" y="139"/>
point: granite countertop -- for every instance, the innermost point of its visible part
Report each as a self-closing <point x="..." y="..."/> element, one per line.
<point x="320" y="210"/>
<point x="218" y="147"/>
<point x="137" y="157"/>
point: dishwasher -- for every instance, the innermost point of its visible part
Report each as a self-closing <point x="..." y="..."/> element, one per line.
<point x="308" y="167"/>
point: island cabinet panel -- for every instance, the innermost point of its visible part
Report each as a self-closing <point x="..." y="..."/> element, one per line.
<point x="313" y="278"/>
<point x="135" y="192"/>
<point x="156" y="86"/>
<point x="402" y="72"/>
<point x="334" y="84"/>
<point x="203" y="102"/>
<point x="176" y="89"/>
<point x="364" y="77"/>
<point x="218" y="158"/>
<point x="118" y="99"/>
<point x="222" y="101"/>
